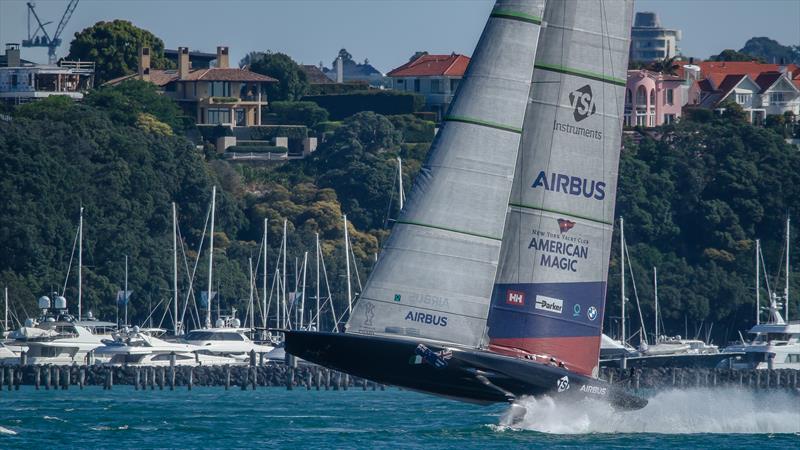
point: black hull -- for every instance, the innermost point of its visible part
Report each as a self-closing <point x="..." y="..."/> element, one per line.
<point x="463" y="374"/>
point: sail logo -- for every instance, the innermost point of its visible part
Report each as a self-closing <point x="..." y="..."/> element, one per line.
<point x="562" y="384"/>
<point x="426" y="318"/>
<point x="515" y="298"/>
<point x="582" y="101"/>
<point x="591" y="313"/>
<point x="554" y="305"/>
<point x="572" y="185"/>
<point x="565" y="225"/>
<point x="596" y="390"/>
<point x="369" y="313"/>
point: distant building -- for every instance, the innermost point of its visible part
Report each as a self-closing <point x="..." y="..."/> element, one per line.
<point x="315" y="75"/>
<point x="23" y="81"/>
<point x="215" y="95"/>
<point x="347" y="71"/>
<point x="652" y="98"/>
<point x="436" y="77"/>
<point x="760" y="89"/>
<point x="651" y="42"/>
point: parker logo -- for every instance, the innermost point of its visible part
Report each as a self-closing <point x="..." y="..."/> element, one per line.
<point x="555" y="305"/>
<point x="565" y="225"/>
<point x="515" y="298"/>
<point x="582" y="101"/>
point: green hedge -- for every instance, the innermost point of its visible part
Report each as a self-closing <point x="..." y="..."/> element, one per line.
<point x="337" y="88"/>
<point x="268" y="132"/>
<point x="299" y="113"/>
<point x="325" y="127"/>
<point x="413" y="128"/>
<point x="256" y="149"/>
<point x="212" y="132"/>
<point x="341" y="106"/>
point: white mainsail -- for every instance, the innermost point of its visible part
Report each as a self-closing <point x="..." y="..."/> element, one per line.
<point x="435" y="275"/>
<point x="549" y="295"/>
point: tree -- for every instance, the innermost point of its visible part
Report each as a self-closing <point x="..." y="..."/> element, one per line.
<point x="126" y="101"/>
<point x="732" y="55"/>
<point x="667" y="66"/>
<point x="114" y="48"/>
<point x="771" y="51"/>
<point x="292" y="82"/>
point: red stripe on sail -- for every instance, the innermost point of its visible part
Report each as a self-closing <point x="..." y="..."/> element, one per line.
<point x="579" y="354"/>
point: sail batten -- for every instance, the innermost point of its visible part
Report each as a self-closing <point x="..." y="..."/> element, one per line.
<point x="549" y="293"/>
<point x="435" y="275"/>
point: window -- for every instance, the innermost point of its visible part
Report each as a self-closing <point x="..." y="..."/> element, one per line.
<point x="241" y="117"/>
<point x="641" y="96"/>
<point x="14" y="80"/>
<point x="653" y="98"/>
<point x="220" y="89"/>
<point x="436" y="87"/>
<point x="743" y="99"/>
<point x="670" y="96"/>
<point x="454" y="84"/>
<point x="776" y="97"/>
<point x="793" y="358"/>
<point x="416" y="85"/>
<point x="219" y="115"/>
<point x="669" y="118"/>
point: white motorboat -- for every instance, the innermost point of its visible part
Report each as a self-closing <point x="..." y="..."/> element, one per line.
<point x="135" y="347"/>
<point x="228" y="338"/>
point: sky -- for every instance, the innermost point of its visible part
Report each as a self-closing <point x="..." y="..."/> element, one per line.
<point x="387" y="32"/>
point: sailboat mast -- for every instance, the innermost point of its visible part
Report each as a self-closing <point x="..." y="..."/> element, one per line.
<point x="211" y="256"/>
<point x="5" y="312"/>
<point x="655" y="290"/>
<point x="174" y="270"/>
<point x="758" y="281"/>
<point x="264" y="281"/>
<point x="303" y="298"/>
<point x="317" y="293"/>
<point x="400" y="179"/>
<point x="251" y="305"/>
<point x="786" y="289"/>
<point x="347" y="265"/>
<point x="125" y="292"/>
<point x="622" y="273"/>
<point x="80" y="264"/>
<point x="284" y="274"/>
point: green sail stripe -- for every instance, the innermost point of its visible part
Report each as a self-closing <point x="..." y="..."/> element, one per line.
<point x="406" y="222"/>
<point x="514" y="15"/>
<point x="483" y="123"/>
<point x="580" y="73"/>
<point x="536" y="208"/>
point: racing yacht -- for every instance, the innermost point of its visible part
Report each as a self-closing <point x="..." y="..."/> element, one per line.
<point x="492" y="283"/>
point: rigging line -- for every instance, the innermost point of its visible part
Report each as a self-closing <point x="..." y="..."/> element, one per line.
<point x="328" y="286"/>
<point x="766" y="275"/>
<point x="163" y="316"/>
<point x="190" y="290"/>
<point x="636" y="295"/>
<point x="71" y="256"/>
<point x="391" y="197"/>
<point x="355" y="265"/>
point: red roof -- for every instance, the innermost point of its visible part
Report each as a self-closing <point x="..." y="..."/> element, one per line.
<point x="452" y="65"/>
<point x="163" y="77"/>
<point x="752" y="68"/>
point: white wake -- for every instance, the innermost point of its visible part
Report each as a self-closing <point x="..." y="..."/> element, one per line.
<point x="671" y="412"/>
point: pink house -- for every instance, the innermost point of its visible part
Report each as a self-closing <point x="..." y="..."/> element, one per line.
<point x="652" y="98"/>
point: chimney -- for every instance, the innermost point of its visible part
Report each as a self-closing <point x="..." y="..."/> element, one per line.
<point x="222" y="57"/>
<point x="183" y="62"/>
<point x="144" y="63"/>
<point x="12" y="55"/>
<point x="339" y="70"/>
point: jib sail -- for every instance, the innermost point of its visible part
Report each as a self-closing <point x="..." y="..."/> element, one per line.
<point x="435" y="275"/>
<point x="549" y="295"/>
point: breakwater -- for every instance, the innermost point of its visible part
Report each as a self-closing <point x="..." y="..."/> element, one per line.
<point x="309" y="376"/>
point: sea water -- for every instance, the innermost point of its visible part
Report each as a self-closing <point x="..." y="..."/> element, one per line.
<point x="276" y="418"/>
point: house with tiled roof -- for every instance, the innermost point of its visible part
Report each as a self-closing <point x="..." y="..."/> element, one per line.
<point x="652" y="98"/>
<point x="436" y="77"/>
<point x="213" y="95"/>
<point x="760" y="89"/>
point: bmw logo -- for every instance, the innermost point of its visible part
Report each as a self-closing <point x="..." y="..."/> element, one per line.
<point x="591" y="313"/>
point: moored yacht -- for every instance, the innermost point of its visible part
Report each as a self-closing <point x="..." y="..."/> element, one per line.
<point x="135" y="347"/>
<point x="227" y="338"/>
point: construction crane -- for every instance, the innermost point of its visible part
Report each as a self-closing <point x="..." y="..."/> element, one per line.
<point x="45" y="40"/>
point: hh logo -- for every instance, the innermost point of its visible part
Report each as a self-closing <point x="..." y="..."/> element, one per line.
<point x="565" y="225"/>
<point x="583" y="103"/>
<point x="515" y="298"/>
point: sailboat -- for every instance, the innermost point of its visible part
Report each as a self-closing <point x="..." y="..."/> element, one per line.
<point x="492" y="283"/>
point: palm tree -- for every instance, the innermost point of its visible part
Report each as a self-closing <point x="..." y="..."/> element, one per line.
<point x="667" y="66"/>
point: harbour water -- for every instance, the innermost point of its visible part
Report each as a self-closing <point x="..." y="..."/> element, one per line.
<point x="276" y="418"/>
